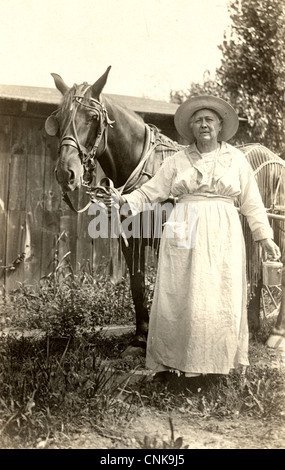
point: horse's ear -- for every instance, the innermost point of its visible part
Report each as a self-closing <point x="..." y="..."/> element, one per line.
<point x="59" y="83"/>
<point x="98" y="86"/>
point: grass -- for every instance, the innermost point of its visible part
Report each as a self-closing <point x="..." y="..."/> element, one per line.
<point x="65" y="303"/>
<point x="47" y="387"/>
<point x="75" y="373"/>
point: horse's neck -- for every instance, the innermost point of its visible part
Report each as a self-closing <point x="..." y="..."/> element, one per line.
<point x="125" y="143"/>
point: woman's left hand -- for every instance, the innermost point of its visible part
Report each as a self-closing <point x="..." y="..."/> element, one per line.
<point x="271" y="249"/>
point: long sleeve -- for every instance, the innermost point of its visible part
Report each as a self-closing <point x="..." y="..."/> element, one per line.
<point x="157" y="189"/>
<point x="251" y="204"/>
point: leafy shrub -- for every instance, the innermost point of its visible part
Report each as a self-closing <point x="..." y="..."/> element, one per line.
<point x="63" y="301"/>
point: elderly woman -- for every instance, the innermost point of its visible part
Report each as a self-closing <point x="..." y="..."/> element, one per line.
<point x="198" y="321"/>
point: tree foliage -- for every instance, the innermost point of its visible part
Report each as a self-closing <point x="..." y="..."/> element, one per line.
<point x="252" y="71"/>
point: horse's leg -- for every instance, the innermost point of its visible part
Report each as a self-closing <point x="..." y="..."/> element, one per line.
<point x="135" y="259"/>
<point x="277" y="337"/>
<point x="253" y="309"/>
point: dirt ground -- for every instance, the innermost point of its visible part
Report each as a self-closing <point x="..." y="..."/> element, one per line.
<point x="197" y="431"/>
<point x="233" y="432"/>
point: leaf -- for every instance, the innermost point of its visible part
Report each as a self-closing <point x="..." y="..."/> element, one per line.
<point x="178" y="443"/>
<point x="30" y="404"/>
<point x="147" y="444"/>
<point x="42" y="444"/>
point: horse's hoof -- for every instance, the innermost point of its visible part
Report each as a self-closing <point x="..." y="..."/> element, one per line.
<point x="139" y="341"/>
<point x="133" y="351"/>
<point x="163" y="377"/>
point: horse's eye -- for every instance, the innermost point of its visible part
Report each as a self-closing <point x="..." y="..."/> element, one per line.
<point x="90" y="118"/>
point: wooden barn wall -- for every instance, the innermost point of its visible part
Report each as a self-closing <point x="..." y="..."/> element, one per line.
<point x="37" y="227"/>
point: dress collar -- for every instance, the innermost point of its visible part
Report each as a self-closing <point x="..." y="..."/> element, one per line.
<point x="193" y="151"/>
<point x="223" y="160"/>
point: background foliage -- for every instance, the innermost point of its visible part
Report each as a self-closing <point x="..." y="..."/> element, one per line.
<point x="252" y="74"/>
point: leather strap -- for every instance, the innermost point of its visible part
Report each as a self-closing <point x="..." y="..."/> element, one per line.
<point x="67" y="200"/>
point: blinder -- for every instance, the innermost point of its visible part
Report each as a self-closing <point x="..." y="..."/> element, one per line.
<point x="52" y="125"/>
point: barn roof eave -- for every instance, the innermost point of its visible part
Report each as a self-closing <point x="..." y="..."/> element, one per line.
<point x="52" y="96"/>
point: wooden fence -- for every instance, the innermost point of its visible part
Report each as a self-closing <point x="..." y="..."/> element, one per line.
<point x="37" y="228"/>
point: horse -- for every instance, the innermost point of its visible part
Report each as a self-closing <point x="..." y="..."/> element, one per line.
<point x="91" y="126"/>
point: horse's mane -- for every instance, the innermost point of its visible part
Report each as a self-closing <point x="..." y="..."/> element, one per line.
<point x="114" y="104"/>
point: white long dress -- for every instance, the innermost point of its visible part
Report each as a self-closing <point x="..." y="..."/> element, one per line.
<point x="198" y="320"/>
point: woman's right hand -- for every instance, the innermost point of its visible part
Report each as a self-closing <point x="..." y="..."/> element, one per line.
<point x="111" y="199"/>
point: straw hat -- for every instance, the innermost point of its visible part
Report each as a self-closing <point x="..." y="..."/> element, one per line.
<point x="188" y="108"/>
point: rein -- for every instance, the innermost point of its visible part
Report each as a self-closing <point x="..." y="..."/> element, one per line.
<point x="152" y="141"/>
<point x="88" y="158"/>
<point x="149" y="146"/>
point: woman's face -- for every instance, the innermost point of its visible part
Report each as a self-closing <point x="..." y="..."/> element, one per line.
<point x="206" y="125"/>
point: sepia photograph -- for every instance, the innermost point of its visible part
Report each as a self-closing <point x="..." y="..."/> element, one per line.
<point x="142" y="228"/>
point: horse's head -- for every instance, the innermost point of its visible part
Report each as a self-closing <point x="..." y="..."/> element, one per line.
<point x="80" y="124"/>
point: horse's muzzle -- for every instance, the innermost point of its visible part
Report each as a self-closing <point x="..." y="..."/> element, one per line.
<point x="67" y="180"/>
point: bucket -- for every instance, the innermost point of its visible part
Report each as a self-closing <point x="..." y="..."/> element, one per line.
<point x="272" y="273"/>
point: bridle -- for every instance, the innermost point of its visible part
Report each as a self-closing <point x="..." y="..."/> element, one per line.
<point x="101" y="114"/>
<point x="87" y="157"/>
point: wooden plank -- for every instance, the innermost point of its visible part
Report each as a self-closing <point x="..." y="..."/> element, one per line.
<point x="5" y="142"/>
<point x="51" y="209"/>
<point x="100" y="246"/>
<point x="68" y="227"/>
<point x="34" y="201"/>
<point x="18" y="165"/>
<point x="101" y="256"/>
<point x="16" y="204"/>
<point x="5" y="139"/>
<point x="16" y="241"/>
<point x="83" y="243"/>
<point x="67" y="243"/>
<point x="3" y="238"/>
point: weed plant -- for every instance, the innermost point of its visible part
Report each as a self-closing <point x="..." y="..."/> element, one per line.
<point x="46" y="388"/>
<point x="74" y="374"/>
<point x="48" y="383"/>
<point x="64" y="302"/>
